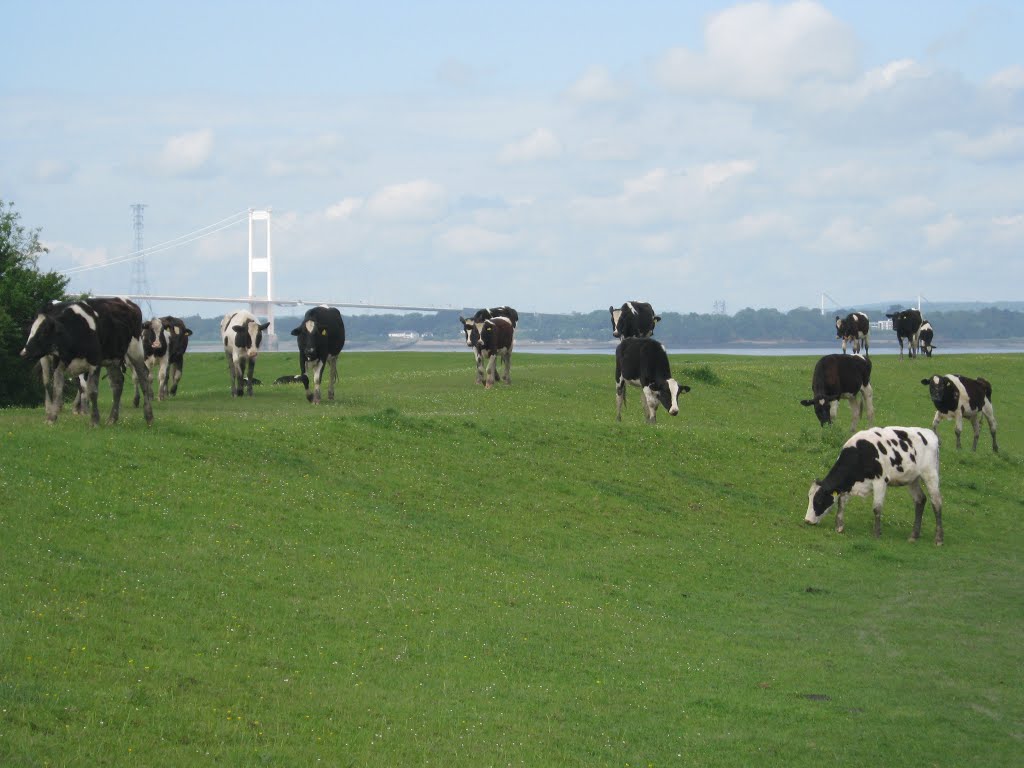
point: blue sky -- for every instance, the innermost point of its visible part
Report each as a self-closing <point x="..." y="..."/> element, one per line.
<point x="553" y="156"/>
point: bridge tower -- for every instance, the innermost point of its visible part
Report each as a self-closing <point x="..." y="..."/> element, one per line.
<point x="262" y="306"/>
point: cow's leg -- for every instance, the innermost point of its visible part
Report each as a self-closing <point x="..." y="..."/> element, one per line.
<point x="232" y="372"/>
<point x="507" y="360"/>
<point x="115" y="375"/>
<point x="332" y="361"/>
<point x="976" y="424"/>
<point x="958" y="422"/>
<point x="841" y="512"/>
<point x="53" y="388"/>
<point x="492" y="367"/>
<point x="479" y="366"/>
<point x="318" y="372"/>
<point x="136" y="359"/>
<point x="990" y="417"/>
<point x="250" y="366"/>
<point x="176" y="377"/>
<point x="164" y="365"/>
<point x="866" y="353"/>
<point x="878" y="500"/>
<point x="918" y="495"/>
<point x="935" y="496"/>
<point x="855" y="404"/>
<point x="869" y="403"/>
<point x="650" y="408"/>
<point x="92" y="389"/>
<point x="620" y="398"/>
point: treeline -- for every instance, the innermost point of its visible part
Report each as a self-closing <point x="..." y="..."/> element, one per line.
<point x="675" y="329"/>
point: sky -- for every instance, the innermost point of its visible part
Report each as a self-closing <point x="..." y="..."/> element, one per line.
<point x="556" y="157"/>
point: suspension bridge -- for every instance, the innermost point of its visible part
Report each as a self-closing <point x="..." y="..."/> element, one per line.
<point x="260" y="269"/>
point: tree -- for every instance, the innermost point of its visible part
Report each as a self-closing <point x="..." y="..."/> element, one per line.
<point x="24" y="290"/>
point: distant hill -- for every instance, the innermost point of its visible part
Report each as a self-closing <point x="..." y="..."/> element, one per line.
<point x="881" y="307"/>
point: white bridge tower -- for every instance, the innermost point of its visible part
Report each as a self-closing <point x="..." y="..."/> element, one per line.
<point x="262" y="306"/>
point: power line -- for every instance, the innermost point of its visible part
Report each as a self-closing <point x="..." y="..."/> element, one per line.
<point x="185" y="239"/>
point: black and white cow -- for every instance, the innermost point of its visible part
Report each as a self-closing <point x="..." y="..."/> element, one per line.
<point x="643" y="363"/>
<point x="907" y="325"/>
<point x="873" y="460"/>
<point x="854" y="328"/>
<point x="242" y="334"/>
<point x="924" y="338"/>
<point x="80" y="337"/>
<point x="492" y="339"/>
<point x="838" y="377"/>
<point x="633" y="319"/>
<point x="321" y="337"/>
<point x="504" y="311"/>
<point x="957" y="396"/>
<point x="165" y="341"/>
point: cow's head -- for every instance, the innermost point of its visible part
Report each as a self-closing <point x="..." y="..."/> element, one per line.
<point x="177" y="339"/>
<point x="311" y="337"/>
<point x="616" y="315"/>
<point x="249" y="336"/>
<point x="468" y="326"/>
<point x="824" y="408"/>
<point x="155" y="337"/>
<point x="943" y="391"/>
<point x="819" y="502"/>
<point x="665" y="392"/>
<point x="44" y="337"/>
<point x="840" y="329"/>
<point x="483" y="335"/>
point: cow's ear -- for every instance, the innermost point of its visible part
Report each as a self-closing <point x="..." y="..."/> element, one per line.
<point x="657" y="318"/>
<point x="296" y="331"/>
<point x="926" y="382"/>
<point x="807" y="402"/>
<point x="654" y="386"/>
<point x="684" y="388"/>
<point x="187" y="332"/>
<point x="237" y="328"/>
<point x="264" y="326"/>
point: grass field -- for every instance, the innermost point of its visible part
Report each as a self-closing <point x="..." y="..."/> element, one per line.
<point x="423" y="572"/>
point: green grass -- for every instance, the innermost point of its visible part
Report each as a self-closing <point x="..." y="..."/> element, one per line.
<point x="423" y="572"/>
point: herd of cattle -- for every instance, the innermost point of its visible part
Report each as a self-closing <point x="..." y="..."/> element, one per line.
<point x="79" y="338"/>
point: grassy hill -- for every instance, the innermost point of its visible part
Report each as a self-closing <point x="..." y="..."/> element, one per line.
<point x="423" y="572"/>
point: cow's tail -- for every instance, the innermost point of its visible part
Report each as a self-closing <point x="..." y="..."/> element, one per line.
<point x="986" y="387"/>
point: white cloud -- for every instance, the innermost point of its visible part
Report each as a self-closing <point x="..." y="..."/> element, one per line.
<point x="1008" y="229"/>
<point x="539" y="145"/>
<point x="912" y="207"/>
<point x="844" y="235"/>
<point x="344" y="208"/>
<point x="759" y="50"/>
<point x="716" y="174"/>
<point x="759" y="226"/>
<point x="53" y="171"/>
<point x="941" y="232"/>
<point x="410" y="201"/>
<point x="77" y="255"/>
<point x="476" y="240"/>
<point x="595" y="86"/>
<point x="1002" y="143"/>
<point x="1011" y="79"/>
<point x="186" y="153"/>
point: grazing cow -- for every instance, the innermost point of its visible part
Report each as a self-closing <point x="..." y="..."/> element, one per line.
<point x="492" y="339"/>
<point x="873" y="460"/>
<point x="907" y="325"/>
<point x="165" y="341"/>
<point x="242" y="335"/>
<point x="643" y="363"/>
<point x="838" y="377"/>
<point x="633" y="319"/>
<point x="80" y="337"/>
<point x="855" y="328"/>
<point x="924" y="338"/>
<point x="958" y="396"/>
<point x="321" y="336"/>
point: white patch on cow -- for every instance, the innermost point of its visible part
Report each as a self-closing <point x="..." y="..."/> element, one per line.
<point x="310" y="325"/>
<point x="89" y="319"/>
<point x="673" y="387"/>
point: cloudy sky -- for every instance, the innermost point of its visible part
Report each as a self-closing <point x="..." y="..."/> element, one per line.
<point x="556" y="156"/>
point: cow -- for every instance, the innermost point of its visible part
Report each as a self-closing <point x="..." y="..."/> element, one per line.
<point x="873" y="460"/>
<point x="242" y="335"/>
<point x="492" y="339"/>
<point x="165" y="341"/>
<point x="77" y="338"/>
<point x="470" y="327"/>
<point x="925" y="336"/>
<point x="643" y="363"/>
<point x="957" y="396"/>
<point x="321" y="337"/>
<point x="838" y="377"/>
<point x="634" y="319"/>
<point x="854" y="328"/>
<point x="907" y="325"/>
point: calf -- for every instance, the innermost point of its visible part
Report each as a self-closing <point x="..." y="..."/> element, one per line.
<point x="958" y="396"/>
<point x="634" y="319"/>
<point x="855" y="328"/>
<point x="492" y="339"/>
<point x="321" y="337"/>
<point x="78" y="338"/>
<point x="165" y="341"/>
<point x="907" y="325"/>
<point x="838" y="377"/>
<point x="242" y="335"/>
<point x="873" y="460"/>
<point x="643" y="363"/>
<point x="924" y="338"/>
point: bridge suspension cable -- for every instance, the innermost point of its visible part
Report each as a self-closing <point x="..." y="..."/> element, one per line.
<point x="190" y="237"/>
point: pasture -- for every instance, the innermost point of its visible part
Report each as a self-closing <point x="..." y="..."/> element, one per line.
<point x="423" y="572"/>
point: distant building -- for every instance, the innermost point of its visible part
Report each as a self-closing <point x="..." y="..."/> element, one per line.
<point x="403" y="335"/>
